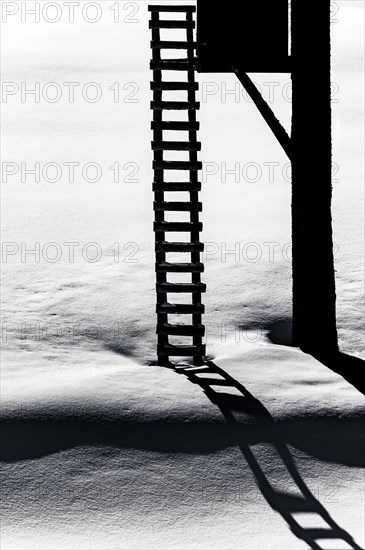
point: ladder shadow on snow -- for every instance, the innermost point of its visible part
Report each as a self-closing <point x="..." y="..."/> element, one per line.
<point x="285" y="503"/>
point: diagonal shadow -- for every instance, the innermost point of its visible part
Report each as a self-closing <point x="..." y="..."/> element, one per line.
<point x="351" y="368"/>
<point x="285" y="504"/>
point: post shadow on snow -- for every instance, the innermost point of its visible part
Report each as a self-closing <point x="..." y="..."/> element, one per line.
<point x="351" y="368"/>
<point x="38" y="434"/>
<point x="286" y="504"/>
<point x="41" y="434"/>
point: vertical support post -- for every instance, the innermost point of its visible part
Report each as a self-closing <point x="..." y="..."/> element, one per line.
<point x="162" y="339"/>
<point x="314" y="316"/>
<point x="194" y="215"/>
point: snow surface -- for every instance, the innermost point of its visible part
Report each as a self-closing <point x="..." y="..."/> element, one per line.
<point x="105" y="449"/>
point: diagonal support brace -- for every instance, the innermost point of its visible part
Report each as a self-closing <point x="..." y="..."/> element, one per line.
<point x="268" y="115"/>
<point x="277" y="129"/>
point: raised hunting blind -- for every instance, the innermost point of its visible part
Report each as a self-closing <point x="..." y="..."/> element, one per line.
<point x="251" y="34"/>
<point x="242" y="37"/>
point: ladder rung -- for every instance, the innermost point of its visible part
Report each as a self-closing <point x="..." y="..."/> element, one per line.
<point x="175" y="105"/>
<point x="174" y="65"/>
<point x="294" y="503"/>
<point x="176" y="165"/>
<point x="176" y="227"/>
<point x="172" y="45"/>
<point x="179" y="247"/>
<point x="320" y="533"/>
<point x="166" y="267"/>
<point x="175" y="86"/>
<point x="181" y="288"/>
<point x="170" y="125"/>
<point x="184" y="351"/>
<point x="188" y="369"/>
<point x="171" y="24"/>
<point x="176" y="145"/>
<point x="187" y="309"/>
<point x="176" y="186"/>
<point x="172" y="8"/>
<point x="177" y="206"/>
<point x="180" y="330"/>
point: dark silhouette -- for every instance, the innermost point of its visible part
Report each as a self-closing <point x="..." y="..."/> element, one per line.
<point x="162" y="186"/>
<point x="314" y="315"/>
<point x="253" y="37"/>
<point x="253" y="34"/>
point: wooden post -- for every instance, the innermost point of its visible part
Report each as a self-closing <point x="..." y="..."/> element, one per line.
<point x="314" y="317"/>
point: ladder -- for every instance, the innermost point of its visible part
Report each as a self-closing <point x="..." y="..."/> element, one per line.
<point x="167" y="327"/>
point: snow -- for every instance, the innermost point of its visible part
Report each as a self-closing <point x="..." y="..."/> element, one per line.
<point x="154" y="465"/>
<point x="103" y="448"/>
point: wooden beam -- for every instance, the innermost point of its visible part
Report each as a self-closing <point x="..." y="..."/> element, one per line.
<point x="314" y="315"/>
<point x="274" y="124"/>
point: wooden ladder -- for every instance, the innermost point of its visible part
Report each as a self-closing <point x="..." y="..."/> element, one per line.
<point x="193" y="330"/>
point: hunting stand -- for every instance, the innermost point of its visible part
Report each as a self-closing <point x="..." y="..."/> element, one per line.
<point x="247" y="37"/>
